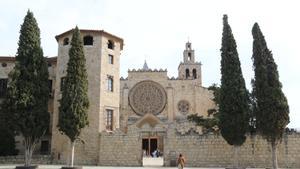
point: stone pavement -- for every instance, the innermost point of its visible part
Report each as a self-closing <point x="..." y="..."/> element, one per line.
<point x="107" y="167"/>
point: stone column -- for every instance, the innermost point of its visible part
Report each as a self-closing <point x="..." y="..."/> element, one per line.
<point x="170" y="102"/>
<point x="195" y="99"/>
<point x="124" y="108"/>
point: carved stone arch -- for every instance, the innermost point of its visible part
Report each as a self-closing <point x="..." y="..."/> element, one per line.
<point x="194" y="73"/>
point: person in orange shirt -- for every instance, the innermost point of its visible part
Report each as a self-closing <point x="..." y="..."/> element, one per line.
<point x="180" y="161"/>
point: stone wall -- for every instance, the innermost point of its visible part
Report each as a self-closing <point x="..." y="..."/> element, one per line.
<point x="120" y="149"/>
<point x="36" y="159"/>
<point x="209" y="150"/>
<point x="213" y="151"/>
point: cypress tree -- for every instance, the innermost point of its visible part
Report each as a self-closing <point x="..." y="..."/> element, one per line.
<point x="7" y="140"/>
<point x="7" y="136"/>
<point x="272" y="110"/>
<point x="234" y="102"/>
<point x="26" y="102"/>
<point x="74" y="102"/>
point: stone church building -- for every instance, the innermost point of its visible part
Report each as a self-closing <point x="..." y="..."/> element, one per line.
<point x="131" y="117"/>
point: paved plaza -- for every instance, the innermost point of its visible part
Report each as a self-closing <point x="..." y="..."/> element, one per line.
<point x="102" y="167"/>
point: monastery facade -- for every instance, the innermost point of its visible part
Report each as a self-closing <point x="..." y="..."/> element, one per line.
<point x="134" y="116"/>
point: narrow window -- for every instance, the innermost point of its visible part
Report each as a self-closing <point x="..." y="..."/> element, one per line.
<point x="194" y="73"/>
<point x="88" y="40"/>
<point x="109" y="119"/>
<point x="189" y="56"/>
<point x="45" y="147"/>
<point x="66" y="41"/>
<point x="110" y="44"/>
<point x="3" y="87"/>
<point x="62" y="83"/>
<point x="187" y="73"/>
<point x="110" y="83"/>
<point x="110" y="59"/>
<point x="50" y="87"/>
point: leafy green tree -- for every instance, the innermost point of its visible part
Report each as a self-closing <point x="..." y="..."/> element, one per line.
<point x="234" y="101"/>
<point x="26" y="102"/>
<point x="74" y="102"/>
<point x="272" y="110"/>
<point x="211" y="123"/>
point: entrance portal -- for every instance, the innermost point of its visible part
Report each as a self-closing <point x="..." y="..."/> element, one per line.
<point x="149" y="147"/>
<point x="152" y="151"/>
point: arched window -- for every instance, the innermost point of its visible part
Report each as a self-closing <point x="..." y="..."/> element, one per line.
<point x="110" y="44"/>
<point x="88" y="40"/>
<point x="194" y="73"/>
<point x="110" y="83"/>
<point x="66" y="41"/>
<point x="187" y="73"/>
<point x="189" y="56"/>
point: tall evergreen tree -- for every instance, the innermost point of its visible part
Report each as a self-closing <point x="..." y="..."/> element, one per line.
<point x="7" y="136"/>
<point x="272" y="110"/>
<point x="74" y="103"/>
<point x="26" y="102"/>
<point x="234" y="102"/>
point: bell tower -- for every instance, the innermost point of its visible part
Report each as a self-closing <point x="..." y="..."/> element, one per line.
<point x="189" y="69"/>
<point x="188" y="53"/>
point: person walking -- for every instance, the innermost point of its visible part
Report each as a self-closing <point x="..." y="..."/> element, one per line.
<point x="180" y="161"/>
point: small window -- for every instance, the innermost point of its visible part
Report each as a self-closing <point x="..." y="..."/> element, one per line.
<point x="3" y="87"/>
<point x="88" y="40"/>
<point x="4" y="64"/>
<point x="62" y="82"/>
<point x="110" y="44"/>
<point x="187" y="73"/>
<point x="50" y="86"/>
<point x="109" y="119"/>
<point x="194" y="73"/>
<point x="110" y="59"/>
<point x="66" y="41"/>
<point x="110" y="83"/>
<point x="45" y="147"/>
<point x="189" y="56"/>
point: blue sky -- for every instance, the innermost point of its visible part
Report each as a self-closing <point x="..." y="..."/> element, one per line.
<point x="157" y="31"/>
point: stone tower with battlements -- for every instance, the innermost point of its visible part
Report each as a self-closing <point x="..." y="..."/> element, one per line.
<point x="189" y="68"/>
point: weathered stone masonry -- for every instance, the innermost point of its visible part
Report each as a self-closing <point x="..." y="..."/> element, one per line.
<point x="207" y="150"/>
